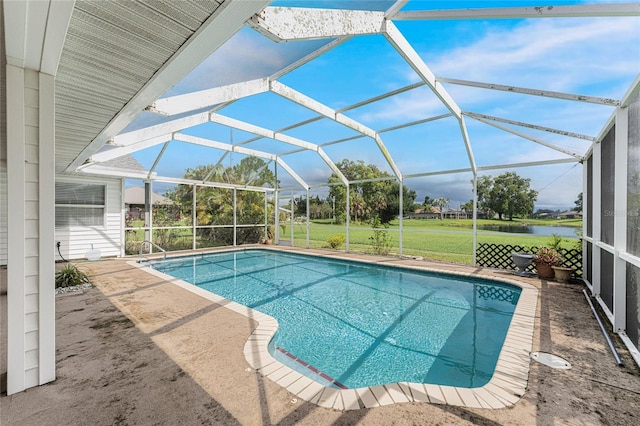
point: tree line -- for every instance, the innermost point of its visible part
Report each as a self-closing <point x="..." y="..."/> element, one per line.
<point x="373" y="195"/>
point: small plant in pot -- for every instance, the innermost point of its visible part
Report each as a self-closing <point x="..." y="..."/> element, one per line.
<point x="544" y="259"/>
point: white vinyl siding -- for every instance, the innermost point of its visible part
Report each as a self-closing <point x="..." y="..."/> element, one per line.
<point x="3" y="169"/>
<point x="81" y="229"/>
<point x="3" y="204"/>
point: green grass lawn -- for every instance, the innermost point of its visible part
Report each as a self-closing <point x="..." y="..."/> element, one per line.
<point x="448" y="240"/>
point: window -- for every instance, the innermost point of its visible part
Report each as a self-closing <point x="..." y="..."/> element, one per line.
<point x="79" y="204"/>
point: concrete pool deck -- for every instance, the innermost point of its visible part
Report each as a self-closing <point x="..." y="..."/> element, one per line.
<point x="140" y="350"/>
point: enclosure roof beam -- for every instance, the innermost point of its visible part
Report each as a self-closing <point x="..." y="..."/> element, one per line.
<point x="495" y="167"/>
<point x="158" y="158"/>
<point x="533" y="92"/>
<point x="240" y="150"/>
<point x="437" y="173"/>
<point x="467" y="144"/>
<point x="309" y="57"/>
<point x="293" y="174"/>
<point x="578" y="11"/>
<point x="529" y="164"/>
<point x="312" y="104"/>
<point x="183" y="181"/>
<point x="169" y="127"/>
<point x="222" y="146"/>
<point x="207" y="98"/>
<point x="261" y="131"/>
<point x="100" y="170"/>
<point x="110" y="152"/>
<point x="332" y="166"/>
<point x="415" y="123"/>
<point x="385" y="130"/>
<point x="530" y="126"/>
<point x="404" y="48"/>
<point x="395" y="8"/>
<point x="531" y="138"/>
<point x="299" y="23"/>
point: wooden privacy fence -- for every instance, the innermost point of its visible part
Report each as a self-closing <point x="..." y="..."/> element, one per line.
<point x="499" y="256"/>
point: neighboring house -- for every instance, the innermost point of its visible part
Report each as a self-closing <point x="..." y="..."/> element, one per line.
<point x="570" y="215"/>
<point x="428" y="213"/>
<point x="457" y="214"/>
<point x="134" y="202"/>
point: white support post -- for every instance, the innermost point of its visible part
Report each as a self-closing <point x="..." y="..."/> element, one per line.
<point x="307" y="218"/>
<point x="276" y="206"/>
<point x="194" y="219"/>
<point x="30" y="116"/>
<point x="266" y="216"/>
<point x="475" y="217"/>
<point x="235" y="217"/>
<point x="151" y="215"/>
<point x="147" y="213"/>
<point x="46" y="232"/>
<point x="400" y="214"/>
<point x="16" y="231"/>
<point x="597" y="215"/>
<point x="123" y="220"/>
<point x="585" y="218"/>
<point x="620" y="220"/>
<point x="348" y="218"/>
<point x="291" y="219"/>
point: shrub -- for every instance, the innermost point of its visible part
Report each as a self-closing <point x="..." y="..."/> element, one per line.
<point x="69" y="276"/>
<point x="380" y="240"/>
<point x="336" y="241"/>
<point x="555" y="241"/>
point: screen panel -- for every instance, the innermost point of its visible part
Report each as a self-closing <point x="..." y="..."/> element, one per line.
<point x="633" y="179"/>
<point x="606" y="278"/>
<point x="607" y="182"/>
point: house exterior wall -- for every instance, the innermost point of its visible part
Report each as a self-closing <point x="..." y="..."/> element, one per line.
<point x="75" y="241"/>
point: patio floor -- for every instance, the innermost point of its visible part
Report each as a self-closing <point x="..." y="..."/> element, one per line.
<point x="139" y="350"/>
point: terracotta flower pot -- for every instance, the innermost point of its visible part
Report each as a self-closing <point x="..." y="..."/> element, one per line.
<point x="544" y="270"/>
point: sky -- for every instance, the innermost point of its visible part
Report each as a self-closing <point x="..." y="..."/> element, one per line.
<point x="590" y="56"/>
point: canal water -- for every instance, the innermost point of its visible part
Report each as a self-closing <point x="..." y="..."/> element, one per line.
<point x="538" y="230"/>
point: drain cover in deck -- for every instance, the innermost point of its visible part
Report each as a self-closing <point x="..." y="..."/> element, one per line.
<point x="551" y="360"/>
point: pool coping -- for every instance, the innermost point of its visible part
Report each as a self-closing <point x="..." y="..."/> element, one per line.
<point x="506" y="387"/>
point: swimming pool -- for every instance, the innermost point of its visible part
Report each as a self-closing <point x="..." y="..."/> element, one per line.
<point x="351" y="325"/>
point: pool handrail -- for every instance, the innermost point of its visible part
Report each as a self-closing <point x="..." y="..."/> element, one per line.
<point x="164" y="252"/>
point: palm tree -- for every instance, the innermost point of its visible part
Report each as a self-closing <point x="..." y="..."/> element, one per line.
<point x="441" y="203"/>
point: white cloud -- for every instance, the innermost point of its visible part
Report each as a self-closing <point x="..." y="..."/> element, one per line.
<point x="558" y="54"/>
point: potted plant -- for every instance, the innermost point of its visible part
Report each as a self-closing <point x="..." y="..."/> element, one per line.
<point x="544" y="259"/>
<point x="562" y="273"/>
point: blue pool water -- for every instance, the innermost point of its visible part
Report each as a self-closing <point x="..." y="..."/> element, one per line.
<point x="364" y="325"/>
